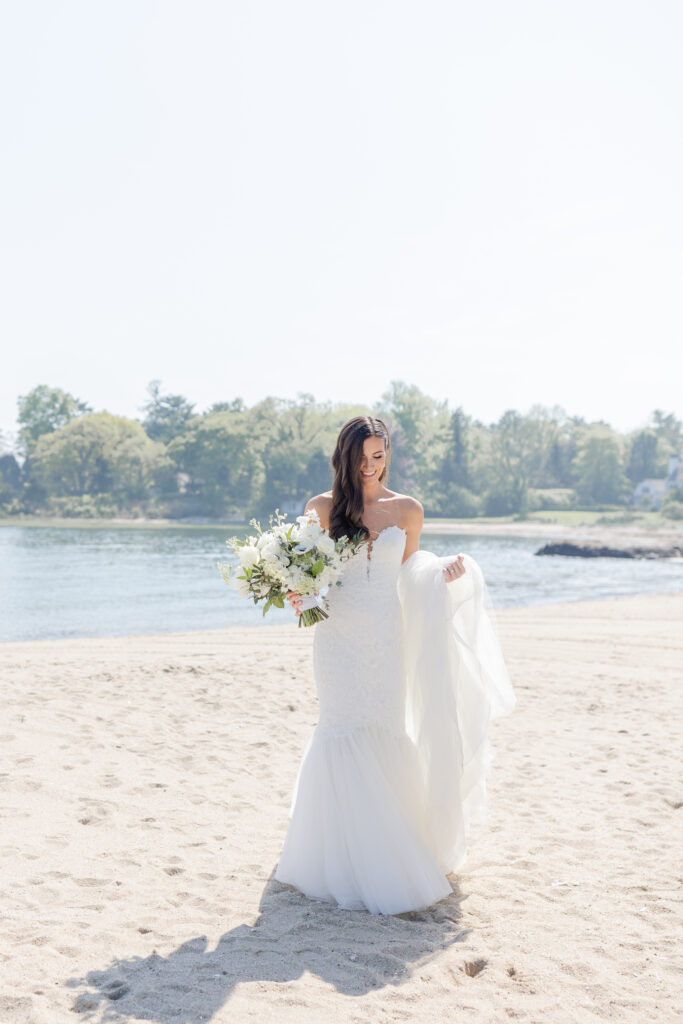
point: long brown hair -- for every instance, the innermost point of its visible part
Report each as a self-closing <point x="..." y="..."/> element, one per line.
<point x="347" y="490"/>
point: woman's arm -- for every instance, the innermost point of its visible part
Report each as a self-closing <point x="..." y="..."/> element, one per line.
<point x="412" y="515"/>
<point x="413" y="521"/>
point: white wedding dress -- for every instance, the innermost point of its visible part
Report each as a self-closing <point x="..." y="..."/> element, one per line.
<point x="409" y="674"/>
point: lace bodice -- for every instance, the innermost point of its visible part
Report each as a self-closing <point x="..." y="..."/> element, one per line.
<point x="358" y="650"/>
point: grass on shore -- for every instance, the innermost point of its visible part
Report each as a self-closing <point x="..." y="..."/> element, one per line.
<point x="616" y="516"/>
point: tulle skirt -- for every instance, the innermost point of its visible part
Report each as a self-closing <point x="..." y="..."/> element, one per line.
<point x="359" y="832"/>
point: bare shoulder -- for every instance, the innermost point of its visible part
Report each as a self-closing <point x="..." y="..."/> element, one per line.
<point x="411" y="511"/>
<point x="410" y="518"/>
<point x="322" y="504"/>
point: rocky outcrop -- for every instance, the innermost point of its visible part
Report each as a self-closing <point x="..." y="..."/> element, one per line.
<point x="579" y="550"/>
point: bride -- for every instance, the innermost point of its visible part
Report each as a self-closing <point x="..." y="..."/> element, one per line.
<point x="409" y="674"/>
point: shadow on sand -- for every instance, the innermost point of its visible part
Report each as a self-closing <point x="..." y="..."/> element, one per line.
<point x="354" y="951"/>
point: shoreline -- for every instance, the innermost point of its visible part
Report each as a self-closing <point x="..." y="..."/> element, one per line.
<point x="656" y="536"/>
<point x="248" y="634"/>
<point x="659" y="535"/>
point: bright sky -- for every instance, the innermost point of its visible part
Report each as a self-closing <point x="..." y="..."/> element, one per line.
<point x="251" y="199"/>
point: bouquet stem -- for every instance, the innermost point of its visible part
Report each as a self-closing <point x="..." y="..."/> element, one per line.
<point x="310" y="616"/>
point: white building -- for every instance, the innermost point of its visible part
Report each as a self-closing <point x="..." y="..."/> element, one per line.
<point x="651" y="493"/>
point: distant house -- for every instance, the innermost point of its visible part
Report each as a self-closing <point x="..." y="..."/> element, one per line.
<point x="651" y="493"/>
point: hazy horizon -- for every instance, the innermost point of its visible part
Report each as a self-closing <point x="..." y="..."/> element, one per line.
<point x="244" y="201"/>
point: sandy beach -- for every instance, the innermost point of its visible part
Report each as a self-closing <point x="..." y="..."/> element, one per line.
<point x="145" y="788"/>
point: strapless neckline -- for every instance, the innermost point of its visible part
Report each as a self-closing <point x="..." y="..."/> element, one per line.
<point x="369" y="545"/>
<point x="394" y="526"/>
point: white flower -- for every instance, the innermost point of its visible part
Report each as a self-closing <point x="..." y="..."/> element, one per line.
<point x="295" y="579"/>
<point x="325" y="544"/>
<point x="271" y="550"/>
<point x="248" y="556"/>
<point x="242" y="586"/>
<point x="308" y="517"/>
<point x="313" y="530"/>
<point x="309" y="526"/>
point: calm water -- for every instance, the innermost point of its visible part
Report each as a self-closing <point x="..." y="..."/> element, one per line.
<point x="116" y="582"/>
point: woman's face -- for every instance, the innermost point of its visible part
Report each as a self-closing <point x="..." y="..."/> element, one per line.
<point x="373" y="461"/>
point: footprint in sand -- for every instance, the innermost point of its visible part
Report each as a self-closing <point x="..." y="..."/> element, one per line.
<point x="27" y="786"/>
<point x="110" y="782"/>
<point x="94" y="815"/>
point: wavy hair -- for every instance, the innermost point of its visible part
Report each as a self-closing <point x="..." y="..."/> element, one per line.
<point x="347" y="490"/>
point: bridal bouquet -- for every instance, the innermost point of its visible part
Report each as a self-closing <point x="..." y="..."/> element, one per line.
<point x="298" y="556"/>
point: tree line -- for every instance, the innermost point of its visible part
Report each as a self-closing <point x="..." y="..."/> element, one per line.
<point x="232" y="462"/>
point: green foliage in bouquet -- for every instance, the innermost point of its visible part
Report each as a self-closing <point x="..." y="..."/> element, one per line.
<point x="299" y="556"/>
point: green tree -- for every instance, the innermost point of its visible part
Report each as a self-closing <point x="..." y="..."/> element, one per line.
<point x="513" y="451"/>
<point x="642" y="461"/>
<point x="166" y="416"/>
<point x="317" y="474"/>
<point x="98" y="454"/>
<point x="561" y="448"/>
<point x="545" y="428"/>
<point x="669" y="430"/>
<point x="295" y="439"/>
<point x="423" y="422"/>
<point x="10" y="479"/>
<point x="669" y="433"/>
<point x="401" y="477"/>
<point x="455" y="468"/>
<point x="44" y="410"/>
<point x="600" y="478"/>
<point x="220" y="461"/>
<point x="237" y="405"/>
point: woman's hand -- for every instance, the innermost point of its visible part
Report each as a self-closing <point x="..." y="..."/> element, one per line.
<point x="295" y="600"/>
<point x="454" y="570"/>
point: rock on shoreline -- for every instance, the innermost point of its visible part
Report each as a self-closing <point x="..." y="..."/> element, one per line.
<point x="572" y="548"/>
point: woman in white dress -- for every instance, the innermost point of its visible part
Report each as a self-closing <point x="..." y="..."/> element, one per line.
<point x="409" y="674"/>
